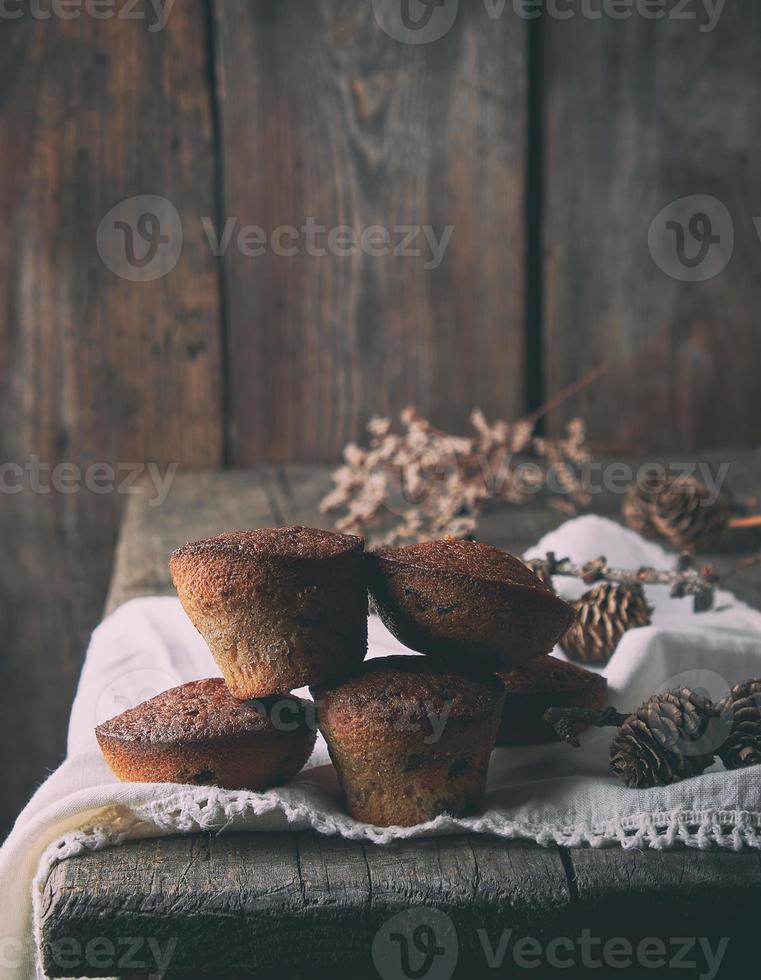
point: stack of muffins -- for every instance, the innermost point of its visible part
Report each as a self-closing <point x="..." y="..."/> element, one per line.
<point x="410" y="737"/>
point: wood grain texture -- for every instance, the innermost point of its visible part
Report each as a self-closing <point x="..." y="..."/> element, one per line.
<point x="198" y="505"/>
<point x="324" y="116"/>
<point x="704" y="896"/>
<point x="253" y="904"/>
<point x="93" y="368"/>
<point x="640" y="113"/>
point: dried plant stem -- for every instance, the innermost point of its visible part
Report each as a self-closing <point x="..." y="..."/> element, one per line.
<point x="743" y="566"/>
<point x="565" y="393"/>
<point x="684" y="580"/>
<point x="565" y="720"/>
<point x="754" y="520"/>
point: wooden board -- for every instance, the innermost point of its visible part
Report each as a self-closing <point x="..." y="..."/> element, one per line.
<point x="640" y="113"/>
<point x="94" y="368"/>
<point x="252" y="904"/>
<point x="326" y="117"/>
<point x="198" y="505"/>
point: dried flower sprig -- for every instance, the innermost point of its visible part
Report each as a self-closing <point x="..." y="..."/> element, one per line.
<point x="685" y="579"/>
<point x="421" y="483"/>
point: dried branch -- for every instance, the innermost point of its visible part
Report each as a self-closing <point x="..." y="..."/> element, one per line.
<point x="685" y="579"/>
<point x="568" y="392"/>
<point x="743" y="566"/>
<point x="566" y="720"/>
<point x="750" y="520"/>
<point x="421" y="483"/>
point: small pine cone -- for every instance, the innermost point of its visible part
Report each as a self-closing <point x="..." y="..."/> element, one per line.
<point x="678" y="509"/>
<point x="668" y="739"/>
<point x="638" y="505"/>
<point x="741" y="711"/>
<point x="603" y="615"/>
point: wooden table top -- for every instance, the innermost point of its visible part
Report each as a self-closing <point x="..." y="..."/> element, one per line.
<point x="256" y="904"/>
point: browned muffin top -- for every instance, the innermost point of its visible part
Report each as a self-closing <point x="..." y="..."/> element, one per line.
<point x="472" y="558"/>
<point x="280" y="542"/>
<point x="198" y="711"/>
<point x="392" y="684"/>
<point x="549" y="674"/>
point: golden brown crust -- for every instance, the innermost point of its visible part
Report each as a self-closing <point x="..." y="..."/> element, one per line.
<point x="280" y="608"/>
<point x="545" y="683"/>
<point x="410" y="740"/>
<point x="294" y="542"/>
<point x="473" y="560"/>
<point x="466" y="602"/>
<point x="198" y="733"/>
<point x="200" y="711"/>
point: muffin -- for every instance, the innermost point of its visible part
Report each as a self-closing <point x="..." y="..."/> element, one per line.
<point x="410" y="739"/>
<point x="543" y="683"/>
<point x="199" y="733"/>
<point x="280" y="608"/>
<point x="464" y="600"/>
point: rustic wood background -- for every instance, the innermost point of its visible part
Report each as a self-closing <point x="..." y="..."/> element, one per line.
<point x="549" y="145"/>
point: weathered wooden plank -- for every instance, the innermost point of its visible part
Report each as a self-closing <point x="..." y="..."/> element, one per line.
<point x="296" y="491"/>
<point x="95" y="370"/>
<point x="708" y="899"/>
<point x="250" y="904"/>
<point x="328" y="119"/>
<point x="639" y="113"/>
<point x="259" y="902"/>
<point x="197" y="505"/>
<point x="719" y="882"/>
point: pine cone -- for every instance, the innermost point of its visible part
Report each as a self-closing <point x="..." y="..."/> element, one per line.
<point x="679" y="509"/>
<point x="671" y="737"/>
<point x="741" y="711"/>
<point x="604" y="614"/>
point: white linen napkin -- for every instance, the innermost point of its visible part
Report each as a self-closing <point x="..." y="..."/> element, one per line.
<point x="544" y="793"/>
